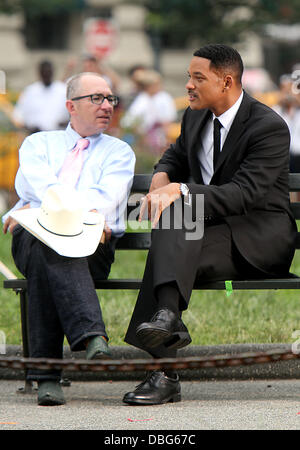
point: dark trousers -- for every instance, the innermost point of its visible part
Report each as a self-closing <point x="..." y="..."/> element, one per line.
<point x="173" y="258"/>
<point x="62" y="300"/>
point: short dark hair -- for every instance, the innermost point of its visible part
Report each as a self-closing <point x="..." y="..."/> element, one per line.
<point x="222" y="56"/>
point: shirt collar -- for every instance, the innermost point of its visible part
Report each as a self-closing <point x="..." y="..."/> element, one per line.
<point x="228" y="116"/>
<point x="73" y="136"/>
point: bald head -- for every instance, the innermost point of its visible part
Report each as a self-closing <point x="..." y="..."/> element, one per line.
<point x="87" y="116"/>
<point x="74" y="84"/>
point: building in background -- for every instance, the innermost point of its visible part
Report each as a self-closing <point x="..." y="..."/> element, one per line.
<point x="115" y="29"/>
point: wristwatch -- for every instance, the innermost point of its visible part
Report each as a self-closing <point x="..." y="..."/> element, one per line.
<point x="184" y="189"/>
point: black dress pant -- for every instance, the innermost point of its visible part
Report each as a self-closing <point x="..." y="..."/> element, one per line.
<point x="173" y="258"/>
<point x="62" y="300"/>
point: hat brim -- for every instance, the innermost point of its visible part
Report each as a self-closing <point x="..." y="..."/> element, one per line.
<point x="84" y="244"/>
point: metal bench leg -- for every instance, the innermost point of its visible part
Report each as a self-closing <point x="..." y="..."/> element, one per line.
<point x="25" y="340"/>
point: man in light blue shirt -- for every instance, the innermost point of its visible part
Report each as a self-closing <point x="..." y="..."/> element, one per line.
<point x="61" y="295"/>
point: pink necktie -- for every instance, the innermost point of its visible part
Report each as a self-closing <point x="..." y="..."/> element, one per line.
<point x="73" y="162"/>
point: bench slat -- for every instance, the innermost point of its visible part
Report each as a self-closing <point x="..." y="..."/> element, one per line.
<point x="282" y="283"/>
<point x="132" y="283"/>
<point x="294" y="182"/>
<point x="142" y="241"/>
<point x="141" y="182"/>
<point x="134" y="241"/>
<point x="295" y="207"/>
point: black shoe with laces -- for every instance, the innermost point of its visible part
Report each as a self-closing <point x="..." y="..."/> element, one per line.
<point x="156" y="389"/>
<point x="164" y="328"/>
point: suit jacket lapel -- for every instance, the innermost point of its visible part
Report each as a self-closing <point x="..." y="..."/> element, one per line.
<point x="236" y="129"/>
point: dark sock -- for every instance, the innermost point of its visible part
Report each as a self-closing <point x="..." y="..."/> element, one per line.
<point x="170" y="374"/>
<point x="168" y="296"/>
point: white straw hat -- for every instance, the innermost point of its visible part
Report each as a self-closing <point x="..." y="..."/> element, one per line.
<point x="61" y="223"/>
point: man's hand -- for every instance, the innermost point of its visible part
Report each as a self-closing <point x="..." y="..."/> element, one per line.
<point x="159" y="180"/>
<point x="10" y="223"/>
<point x="158" y="200"/>
<point x="106" y="235"/>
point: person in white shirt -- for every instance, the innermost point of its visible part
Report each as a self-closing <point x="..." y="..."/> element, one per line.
<point x="61" y="296"/>
<point x="42" y="104"/>
<point x="288" y="108"/>
<point x="152" y="111"/>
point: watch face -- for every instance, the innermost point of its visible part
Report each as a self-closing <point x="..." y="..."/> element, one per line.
<point x="184" y="189"/>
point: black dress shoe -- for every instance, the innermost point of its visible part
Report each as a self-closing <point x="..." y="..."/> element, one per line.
<point x="155" y="390"/>
<point x="164" y="328"/>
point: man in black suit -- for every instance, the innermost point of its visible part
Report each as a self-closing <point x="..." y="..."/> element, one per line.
<point x="234" y="151"/>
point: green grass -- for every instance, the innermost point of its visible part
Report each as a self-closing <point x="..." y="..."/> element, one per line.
<point x="213" y="318"/>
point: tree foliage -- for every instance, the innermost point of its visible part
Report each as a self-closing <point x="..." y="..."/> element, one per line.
<point x="178" y="21"/>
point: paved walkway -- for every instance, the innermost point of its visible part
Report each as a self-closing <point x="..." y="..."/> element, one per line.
<point x="205" y="405"/>
<point x="256" y="397"/>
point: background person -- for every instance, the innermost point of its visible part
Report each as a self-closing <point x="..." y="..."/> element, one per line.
<point x="152" y="110"/>
<point x="42" y="104"/>
<point x="289" y="109"/>
<point x="135" y="87"/>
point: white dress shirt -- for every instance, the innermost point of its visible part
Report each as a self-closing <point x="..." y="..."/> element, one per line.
<point x="292" y="120"/>
<point x="148" y="110"/>
<point x="105" y="179"/>
<point x="42" y="107"/>
<point x="206" y="151"/>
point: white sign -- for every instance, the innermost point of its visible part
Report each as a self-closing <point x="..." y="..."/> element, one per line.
<point x="100" y="37"/>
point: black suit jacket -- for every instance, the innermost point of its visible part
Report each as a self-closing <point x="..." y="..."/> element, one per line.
<point x="249" y="189"/>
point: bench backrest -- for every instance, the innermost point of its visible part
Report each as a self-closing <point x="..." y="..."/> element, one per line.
<point x="142" y="240"/>
<point x="136" y="240"/>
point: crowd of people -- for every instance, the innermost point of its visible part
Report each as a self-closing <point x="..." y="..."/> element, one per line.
<point x="143" y="114"/>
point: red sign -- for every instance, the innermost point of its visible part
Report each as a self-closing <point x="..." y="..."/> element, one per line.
<point x="100" y="37"/>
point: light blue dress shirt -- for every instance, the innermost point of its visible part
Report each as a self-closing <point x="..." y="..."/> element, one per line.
<point x="105" y="180"/>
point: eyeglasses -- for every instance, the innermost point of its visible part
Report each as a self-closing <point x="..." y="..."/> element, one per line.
<point x="98" y="99"/>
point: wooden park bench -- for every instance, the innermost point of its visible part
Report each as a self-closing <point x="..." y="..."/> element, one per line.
<point x="141" y="241"/>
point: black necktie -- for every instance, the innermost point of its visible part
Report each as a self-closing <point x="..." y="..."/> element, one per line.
<point x="217" y="141"/>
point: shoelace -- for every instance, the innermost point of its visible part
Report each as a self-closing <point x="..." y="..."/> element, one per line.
<point x="149" y="376"/>
<point x="157" y="314"/>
